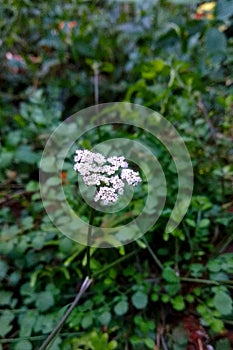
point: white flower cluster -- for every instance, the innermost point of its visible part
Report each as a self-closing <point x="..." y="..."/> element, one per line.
<point x="109" y="175"/>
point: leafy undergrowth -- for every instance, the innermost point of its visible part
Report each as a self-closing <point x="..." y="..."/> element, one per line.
<point x="163" y="291"/>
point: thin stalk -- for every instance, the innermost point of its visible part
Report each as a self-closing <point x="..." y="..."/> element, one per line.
<point x="91" y="220"/>
<point x="96" y="82"/>
<point x="204" y="281"/>
<point x="156" y="259"/>
<point x="37" y="337"/>
<point x="86" y="283"/>
<point x="82" y="290"/>
<point x="106" y="268"/>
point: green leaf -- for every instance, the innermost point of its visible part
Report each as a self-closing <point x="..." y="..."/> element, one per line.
<point x="178" y="303"/>
<point x="165" y="298"/>
<point x="44" y="300"/>
<point x="224" y="9"/>
<point x="53" y="181"/>
<point x="216" y="325"/>
<point x="45" y="323"/>
<point x="48" y="164"/>
<point x="5" y="157"/>
<point x="14" y="278"/>
<point x="5" y="321"/>
<point x="27" y="323"/>
<point x="215" y="42"/>
<point x="172" y="288"/>
<point x="25" y="154"/>
<point x="196" y="269"/>
<point x="154" y="297"/>
<point x="139" y="300"/>
<point x="214" y="266"/>
<point x="3" y="269"/>
<point x="121" y="308"/>
<point x="150" y="343"/>
<point x="23" y="345"/>
<point x="5" y="297"/>
<point x="32" y="186"/>
<point x="105" y="318"/>
<point x="87" y="320"/>
<point x="169" y="275"/>
<point x="223" y="303"/>
<point x="204" y="223"/>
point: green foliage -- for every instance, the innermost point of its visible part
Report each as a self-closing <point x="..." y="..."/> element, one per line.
<point x="155" y="54"/>
<point x="94" y="341"/>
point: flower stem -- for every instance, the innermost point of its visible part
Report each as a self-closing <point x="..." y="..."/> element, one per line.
<point x="86" y="283"/>
<point x="82" y="290"/>
<point x="156" y="259"/>
<point x="91" y="220"/>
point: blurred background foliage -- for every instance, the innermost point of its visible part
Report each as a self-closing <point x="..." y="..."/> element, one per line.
<point x="165" y="291"/>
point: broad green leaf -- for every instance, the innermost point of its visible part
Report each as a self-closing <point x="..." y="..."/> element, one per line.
<point x="139" y="300"/>
<point x="105" y="318"/>
<point x="45" y="323"/>
<point x="87" y="320"/>
<point x="214" y="266"/>
<point x="178" y="303"/>
<point x="204" y="223"/>
<point x="216" y="325"/>
<point x="150" y="344"/>
<point x="224" y="9"/>
<point x="165" y="298"/>
<point x="5" y="321"/>
<point x="223" y="303"/>
<point x="26" y="155"/>
<point x="27" y="323"/>
<point x="44" y="300"/>
<point x="32" y="186"/>
<point x="196" y="269"/>
<point x="172" y="288"/>
<point x="23" y="345"/>
<point x="169" y="275"/>
<point x="48" y="164"/>
<point x="215" y="42"/>
<point x="53" y="181"/>
<point x="3" y="269"/>
<point x="5" y="297"/>
<point x="5" y="157"/>
<point x="14" y="278"/>
<point x="121" y="308"/>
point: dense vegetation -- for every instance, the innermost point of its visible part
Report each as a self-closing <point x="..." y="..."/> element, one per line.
<point x="163" y="291"/>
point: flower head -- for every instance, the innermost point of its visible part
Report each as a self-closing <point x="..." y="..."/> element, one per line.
<point x="109" y="175"/>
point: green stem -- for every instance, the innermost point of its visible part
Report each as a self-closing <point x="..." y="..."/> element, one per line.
<point x="82" y="290"/>
<point x="204" y="281"/>
<point x="106" y="268"/>
<point x="37" y="337"/>
<point x="156" y="259"/>
<point x="55" y="331"/>
<point x="91" y="220"/>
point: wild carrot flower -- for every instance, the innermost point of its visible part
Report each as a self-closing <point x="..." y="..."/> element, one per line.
<point x="109" y="175"/>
